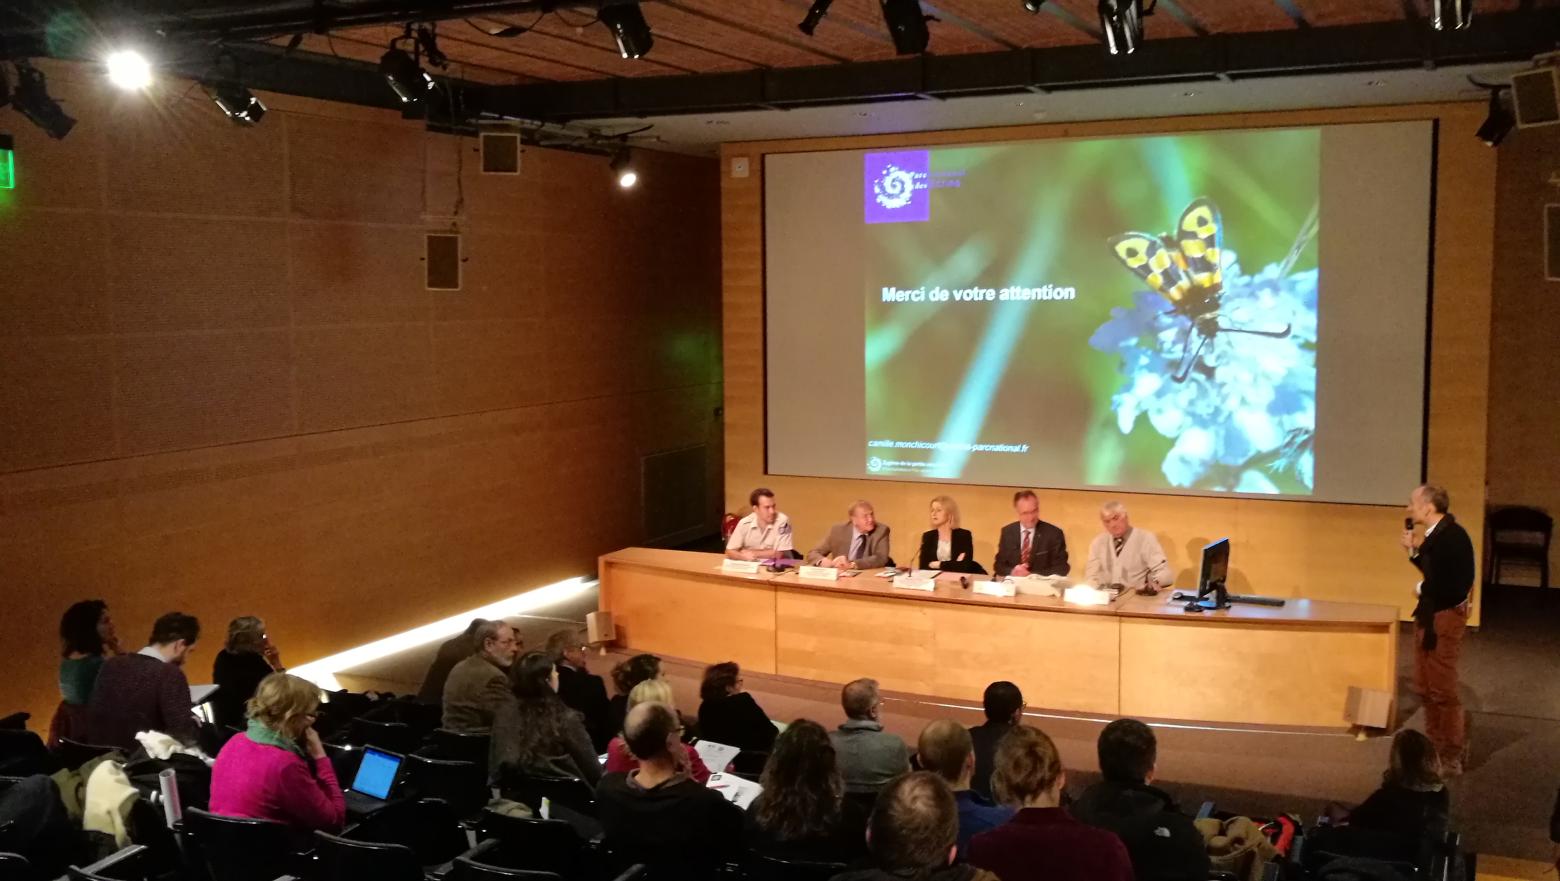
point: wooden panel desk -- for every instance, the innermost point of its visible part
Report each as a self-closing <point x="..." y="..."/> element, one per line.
<point x="1138" y="656"/>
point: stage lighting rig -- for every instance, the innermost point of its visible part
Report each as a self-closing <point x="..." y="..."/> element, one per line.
<point x="1122" y="23"/>
<point x="627" y="23"/>
<point x="1498" y="122"/>
<point x="815" y="14"/>
<point x="906" y="25"/>
<point x="1451" y="15"/>
<point x="31" y="99"/>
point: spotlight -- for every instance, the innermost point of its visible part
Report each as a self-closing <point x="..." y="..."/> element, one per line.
<point x="404" y="74"/>
<point x="1122" y="22"/>
<point x="819" y="9"/>
<point x="1033" y="5"/>
<point x="236" y="101"/>
<point x="627" y="23"/>
<point x="1451" y="14"/>
<point x="128" y="69"/>
<point x="906" y="26"/>
<point x="32" y="100"/>
<point x="1498" y="123"/>
<point x="623" y="167"/>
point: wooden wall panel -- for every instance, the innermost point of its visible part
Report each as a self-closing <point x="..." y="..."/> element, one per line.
<point x="250" y="405"/>
<point x="1325" y="551"/>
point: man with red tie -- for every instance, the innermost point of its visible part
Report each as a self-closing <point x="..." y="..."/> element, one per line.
<point x="1030" y="546"/>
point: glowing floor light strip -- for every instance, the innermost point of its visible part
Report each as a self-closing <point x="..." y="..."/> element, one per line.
<point x="323" y="671"/>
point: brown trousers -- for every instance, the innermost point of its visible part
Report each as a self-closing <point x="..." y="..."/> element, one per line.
<point x="1435" y="680"/>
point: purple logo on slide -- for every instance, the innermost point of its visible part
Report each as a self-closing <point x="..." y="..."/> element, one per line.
<point x="896" y="186"/>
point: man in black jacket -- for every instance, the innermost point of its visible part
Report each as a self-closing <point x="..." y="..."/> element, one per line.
<point x="1163" y="843"/>
<point x="1445" y="557"/>
<point x="1030" y="546"/>
<point x="582" y="690"/>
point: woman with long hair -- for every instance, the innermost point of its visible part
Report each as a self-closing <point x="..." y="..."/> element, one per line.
<point x="625" y="676"/>
<point x="247" y="658"/>
<point x="1412" y="801"/>
<point x="87" y="638"/>
<point x="802" y="813"/>
<point x="552" y="740"/>
<point x="657" y="691"/>
<point x="946" y="546"/>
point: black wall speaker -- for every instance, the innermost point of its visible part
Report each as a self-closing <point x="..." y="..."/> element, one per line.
<point x="500" y="153"/>
<point x="1536" y="97"/>
<point x="442" y="261"/>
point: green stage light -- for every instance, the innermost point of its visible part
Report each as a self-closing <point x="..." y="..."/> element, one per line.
<point x="7" y="164"/>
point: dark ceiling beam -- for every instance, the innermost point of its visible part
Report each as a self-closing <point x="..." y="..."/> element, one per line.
<point x="1397" y="45"/>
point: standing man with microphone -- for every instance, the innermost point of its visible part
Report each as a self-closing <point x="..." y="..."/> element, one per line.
<point x="1445" y="557"/>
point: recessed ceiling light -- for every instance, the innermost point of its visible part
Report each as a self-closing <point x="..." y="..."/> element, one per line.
<point x="1189" y="94"/>
<point x="1375" y="82"/>
<point x="863" y="114"/>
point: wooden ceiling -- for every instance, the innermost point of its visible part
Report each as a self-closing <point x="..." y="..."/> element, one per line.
<point x="720" y="36"/>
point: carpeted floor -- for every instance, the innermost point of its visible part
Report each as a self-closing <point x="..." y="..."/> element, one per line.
<point x="1509" y="683"/>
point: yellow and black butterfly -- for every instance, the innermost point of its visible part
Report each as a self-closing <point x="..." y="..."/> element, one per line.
<point x="1185" y="269"/>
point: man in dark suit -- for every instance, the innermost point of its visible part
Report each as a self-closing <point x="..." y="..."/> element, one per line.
<point x="1004" y="705"/>
<point x="580" y="689"/>
<point x="1445" y="557"/>
<point x="1030" y="546"/>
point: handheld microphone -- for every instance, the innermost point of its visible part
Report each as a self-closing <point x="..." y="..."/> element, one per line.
<point x="1408" y="523"/>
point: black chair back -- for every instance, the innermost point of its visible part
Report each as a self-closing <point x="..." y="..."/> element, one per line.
<point x="467" y="869"/>
<point x="396" y="737"/>
<point x="133" y="863"/>
<point x="342" y="859"/>
<point x="344" y="760"/>
<point x="14" y="865"/>
<point x="534" y="843"/>
<point x="15" y="721"/>
<point x="1518" y="534"/>
<point x="749" y="764"/>
<point x="73" y="754"/>
<point x="22" y="753"/>
<point x="461" y="747"/>
<point x="462" y="785"/>
<point x="571" y="792"/>
<point x="758" y="867"/>
<point x="237" y="848"/>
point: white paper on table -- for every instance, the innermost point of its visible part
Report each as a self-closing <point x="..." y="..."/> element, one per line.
<point x="715" y="756"/>
<point x="995" y="588"/>
<point x="1084" y="595"/>
<point x="912" y="582"/>
<point x="734" y="789"/>
<point x="739" y="567"/>
<point x="822" y="573"/>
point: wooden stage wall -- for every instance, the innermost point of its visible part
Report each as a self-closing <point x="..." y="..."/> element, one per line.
<point x="1282" y="548"/>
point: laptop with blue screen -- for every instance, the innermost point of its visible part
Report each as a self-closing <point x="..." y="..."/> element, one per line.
<point x="374" y="782"/>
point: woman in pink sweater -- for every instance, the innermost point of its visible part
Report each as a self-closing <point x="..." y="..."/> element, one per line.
<point x="277" y="770"/>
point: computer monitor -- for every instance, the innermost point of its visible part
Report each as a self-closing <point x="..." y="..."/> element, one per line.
<point x="376" y="773"/>
<point x="1215" y="568"/>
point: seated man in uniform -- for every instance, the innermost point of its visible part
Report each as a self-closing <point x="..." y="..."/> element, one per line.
<point x="764" y="534"/>
<point x="1126" y="556"/>
<point x="861" y="543"/>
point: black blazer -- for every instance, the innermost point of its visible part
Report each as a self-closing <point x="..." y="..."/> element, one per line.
<point x="963" y="543"/>
<point x="737" y="720"/>
<point x="1446" y="559"/>
<point x="587" y="694"/>
<point x="1047" y="552"/>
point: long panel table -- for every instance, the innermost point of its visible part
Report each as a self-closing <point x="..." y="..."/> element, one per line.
<point x="1138" y="656"/>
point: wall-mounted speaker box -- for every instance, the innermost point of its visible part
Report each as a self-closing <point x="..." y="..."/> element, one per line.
<point x="500" y="153"/>
<point x="1552" y="242"/>
<point x="599" y="629"/>
<point x="442" y="261"/>
<point x="1535" y="95"/>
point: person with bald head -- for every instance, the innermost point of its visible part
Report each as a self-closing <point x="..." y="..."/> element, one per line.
<point x="946" y="749"/>
<point x="1126" y="556"/>
<point x="656" y="814"/>
<point x="913" y="833"/>
<point x="869" y="756"/>
<point x="860" y="543"/>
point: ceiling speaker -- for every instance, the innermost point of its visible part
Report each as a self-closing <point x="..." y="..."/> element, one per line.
<point x="1536" y="97"/>
<point x="500" y="153"/>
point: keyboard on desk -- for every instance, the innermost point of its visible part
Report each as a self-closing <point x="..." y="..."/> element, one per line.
<point x="1255" y="600"/>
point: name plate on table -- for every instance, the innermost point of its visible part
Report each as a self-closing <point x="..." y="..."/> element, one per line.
<point x="739" y="567"/>
<point x="914" y="582"/>
<point x="995" y="588"/>
<point x="1084" y="595"/>
<point x="820" y="573"/>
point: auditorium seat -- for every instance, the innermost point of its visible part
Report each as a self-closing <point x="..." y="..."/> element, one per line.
<point x="395" y="737"/>
<point x="236" y="848"/>
<point x="461" y="785"/>
<point x="460" y="746"/>
<point x="428" y="827"/>
<point x="1519" y="535"/>
<point x="570" y="792"/>
<point x="344" y="859"/>
<point x="534" y="843"/>
<point x="15" y="721"/>
<point x="344" y="760"/>
<point x="468" y="869"/>
<point x="22" y="753"/>
<point x="73" y="754"/>
<point x="758" y="867"/>
<point x="133" y="863"/>
<point x="14" y="865"/>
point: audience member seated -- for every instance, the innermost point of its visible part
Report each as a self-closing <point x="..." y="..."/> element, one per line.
<point x="1004" y="710"/>
<point x="1163" y="843"/>
<point x="451" y="652"/>
<point x="729" y="715"/>
<point x="248" y="658"/>
<point x="1042" y="841"/>
<point x="914" y="833"/>
<point x="583" y="691"/>
<point x="946" y="750"/>
<point x="656" y="814"/>
<point x="87" y="639"/>
<point x="945" y="546"/>
<point x="147" y="691"/>
<point x="620" y="760"/>
<point x="802" y="813"/>
<point x="479" y="697"/>
<point x="625" y="676"/>
<point x="869" y="756"/>
<point x="551" y="740"/>
<point x="1412" y="802"/>
<point x="277" y="769"/>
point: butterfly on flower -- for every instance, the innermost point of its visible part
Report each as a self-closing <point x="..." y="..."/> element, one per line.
<point x="1185" y="268"/>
